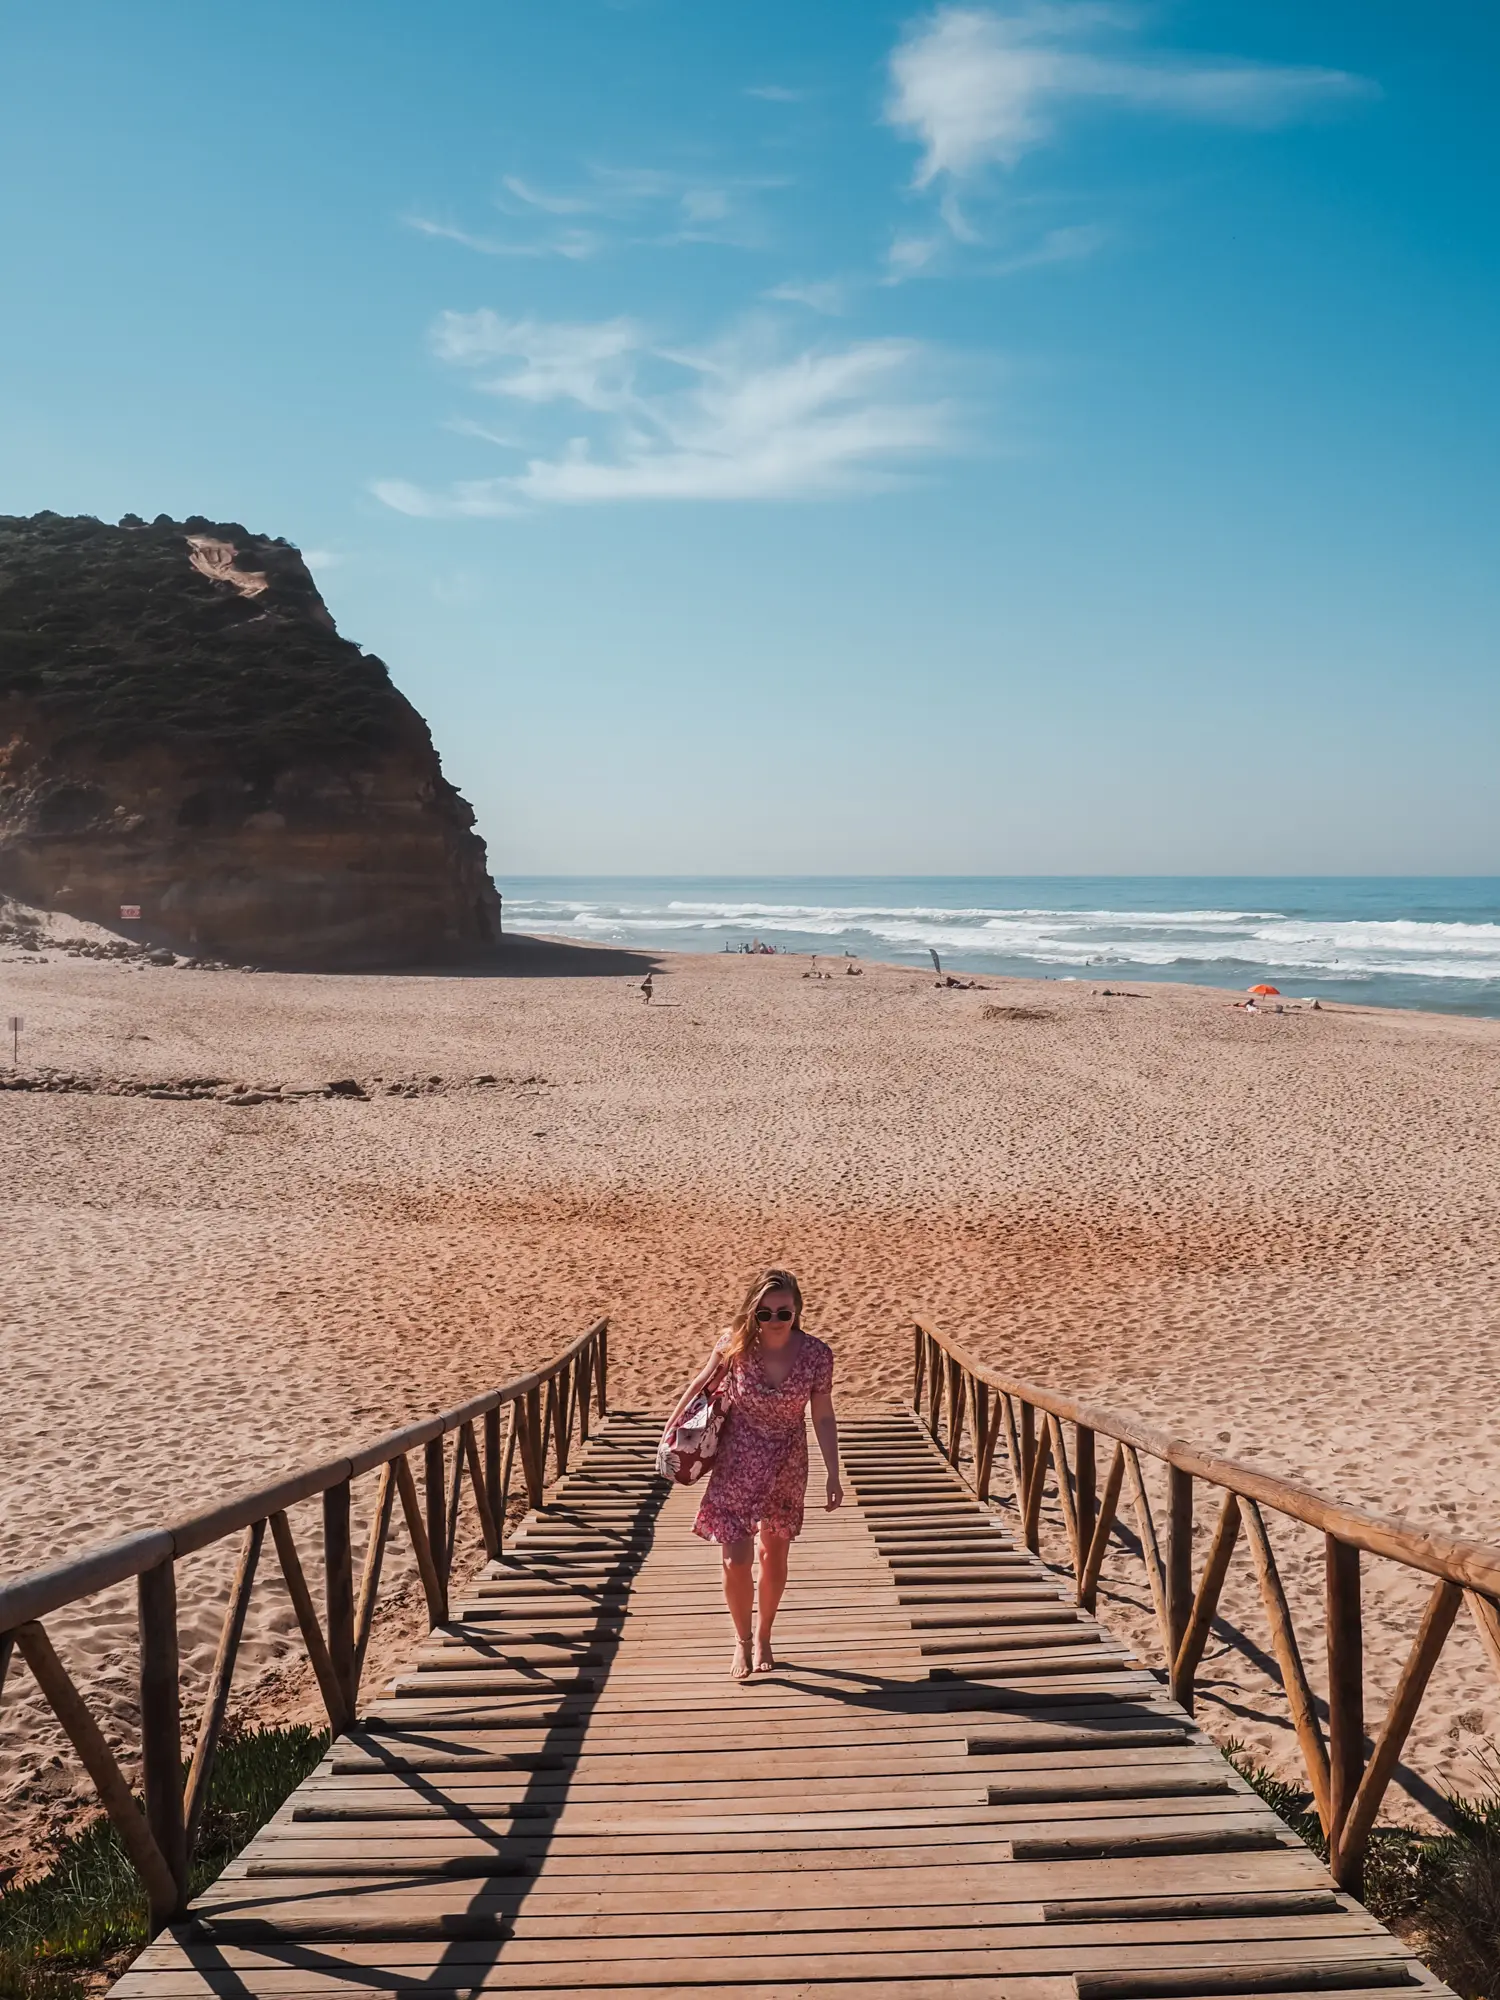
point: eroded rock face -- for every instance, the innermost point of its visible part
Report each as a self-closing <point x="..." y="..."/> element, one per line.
<point x="182" y="728"/>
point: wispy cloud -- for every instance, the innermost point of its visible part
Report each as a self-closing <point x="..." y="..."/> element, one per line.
<point x="820" y="295"/>
<point x="979" y="87"/>
<point x="736" y="421"/>
<point x="775" y="93"/>
<point x="571" y="243"/>
<point x="910" y="253"/>
<point x="549" y="204"/>
<point x="549" y="362"/>
<point x="609" y="206"/>
<point x="1069" y="245"/>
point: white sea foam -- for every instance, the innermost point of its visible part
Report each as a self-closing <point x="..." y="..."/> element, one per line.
<point x="1053" y="939"/>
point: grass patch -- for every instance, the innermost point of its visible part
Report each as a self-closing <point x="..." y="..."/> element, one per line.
<point x="1440" y="1892"/>
<point x="89" y="1907"/>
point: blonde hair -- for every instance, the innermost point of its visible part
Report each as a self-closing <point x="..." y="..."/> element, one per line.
<point x="744" y="1331"/>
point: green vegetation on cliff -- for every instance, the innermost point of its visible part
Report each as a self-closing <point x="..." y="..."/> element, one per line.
<point x="115" y="634"/>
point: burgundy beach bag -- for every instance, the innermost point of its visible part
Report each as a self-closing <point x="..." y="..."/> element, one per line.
<point x="687" y="1449"/>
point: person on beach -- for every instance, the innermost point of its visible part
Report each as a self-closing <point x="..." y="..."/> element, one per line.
<point x="770" y="1370"/>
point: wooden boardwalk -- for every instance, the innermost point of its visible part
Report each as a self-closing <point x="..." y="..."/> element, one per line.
<point x="958" y="1786"/>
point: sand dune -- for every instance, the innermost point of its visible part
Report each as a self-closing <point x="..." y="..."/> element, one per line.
<point x="1277" y="1233"/>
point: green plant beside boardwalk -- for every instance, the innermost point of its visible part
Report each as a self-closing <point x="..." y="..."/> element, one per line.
<point x="1440" y="1892"/>
<point x="90" y="1907"/>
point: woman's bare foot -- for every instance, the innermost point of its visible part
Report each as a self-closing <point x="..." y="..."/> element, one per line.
<point x="740" y="1666"/>
<point x="765" y="1659"/>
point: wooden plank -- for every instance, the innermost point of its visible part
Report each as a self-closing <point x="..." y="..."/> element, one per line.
<point x="1303" y="1913"/>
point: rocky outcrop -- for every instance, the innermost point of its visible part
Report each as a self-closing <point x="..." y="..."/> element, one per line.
<point x="182" y="729"/>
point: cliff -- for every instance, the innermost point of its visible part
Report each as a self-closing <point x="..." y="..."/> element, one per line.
<point x="182" y="728"/>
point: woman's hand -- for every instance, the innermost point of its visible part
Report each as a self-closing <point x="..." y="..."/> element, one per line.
<point x="835" y="1492"/>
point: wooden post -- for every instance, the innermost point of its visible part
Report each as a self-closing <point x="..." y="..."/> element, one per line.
<point x="1088" y="1589"/>
<point x="1215" y="1569"/>
<point x="602" y="1355"/>
<point x="338" y="1588"/>
<point x="488" y="1527"/>
<point x="531" y="1448"/>
<point x="492" y="1465"/>
<point x="450" y="1508"/>
<point x="1437" y="1622"/>
<point x="1289" y="1660"/>
<point x="98" y="1760"/>
<point x="329" y="1685"/>
<point x="549" y="1424"/>
<point x="1057" y="1445"/>
<point x="435" y="1485"/>
<point x="958" y="1385"/>
<point x="195" y="1798"/>
<point x="1028" y="1447"/>
<point x="1084" y="1481"/>
<point x="1346" y="1703"/>
<point x="1032" y="1520"/>
<point x="564" y="1428"/>
<point x="161" y="1728"/>
<point x="432" y="1583"/>
<point x="919" y="1357"/>
<point x="1487" y="1623"/>
<point x="984" y="1440"/>
<point x="1150" y="1550"/>
<point x="369" y="1582"/>
<point x="1012" y="1449"/>
<point x="581" y="1376"/>
<point x="935" y="1373"/>
<point x="1179" y="1558"/>
<point x="507" y="1466"/>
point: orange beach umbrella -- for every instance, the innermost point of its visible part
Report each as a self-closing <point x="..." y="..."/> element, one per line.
<point x="1276" y="990"/>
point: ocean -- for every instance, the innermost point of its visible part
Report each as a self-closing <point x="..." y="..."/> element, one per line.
<point x="1383" y="941"/>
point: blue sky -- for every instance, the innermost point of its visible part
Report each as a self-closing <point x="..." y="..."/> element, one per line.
<point x="1039" y="437"/>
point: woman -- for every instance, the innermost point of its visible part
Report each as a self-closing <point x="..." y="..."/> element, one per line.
<point x="770" y="1371"/>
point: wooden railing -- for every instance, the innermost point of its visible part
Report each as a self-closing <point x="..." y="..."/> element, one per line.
<point x="545" y="1406"/>
<point x="952" y="1390"/>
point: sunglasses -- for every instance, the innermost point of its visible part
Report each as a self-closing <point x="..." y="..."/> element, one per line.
<point x="764" y="1313"/>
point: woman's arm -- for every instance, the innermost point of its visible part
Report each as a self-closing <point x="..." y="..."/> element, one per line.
<point x="826" y="1427"/>
<point x="695" y="1387"/>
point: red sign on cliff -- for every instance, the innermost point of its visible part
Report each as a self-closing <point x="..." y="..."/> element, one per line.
<point x="130" y="913"/>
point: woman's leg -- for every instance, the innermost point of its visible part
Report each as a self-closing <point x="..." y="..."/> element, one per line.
<point x="739" y="1595"/>
<point x="774" y="1552"/>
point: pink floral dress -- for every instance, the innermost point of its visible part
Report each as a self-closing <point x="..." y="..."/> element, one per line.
<point x="760" y="1469"/>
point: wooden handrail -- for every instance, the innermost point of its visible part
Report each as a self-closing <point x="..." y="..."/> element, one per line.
<point x="1476" y="1565"/>
<point x="40" y="1591"/>
<point x="1347" y="1789"/>
<point x="161" y="1839"/>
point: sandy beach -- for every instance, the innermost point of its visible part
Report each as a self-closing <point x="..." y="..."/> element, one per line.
<point x="1278" y="1234"/>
